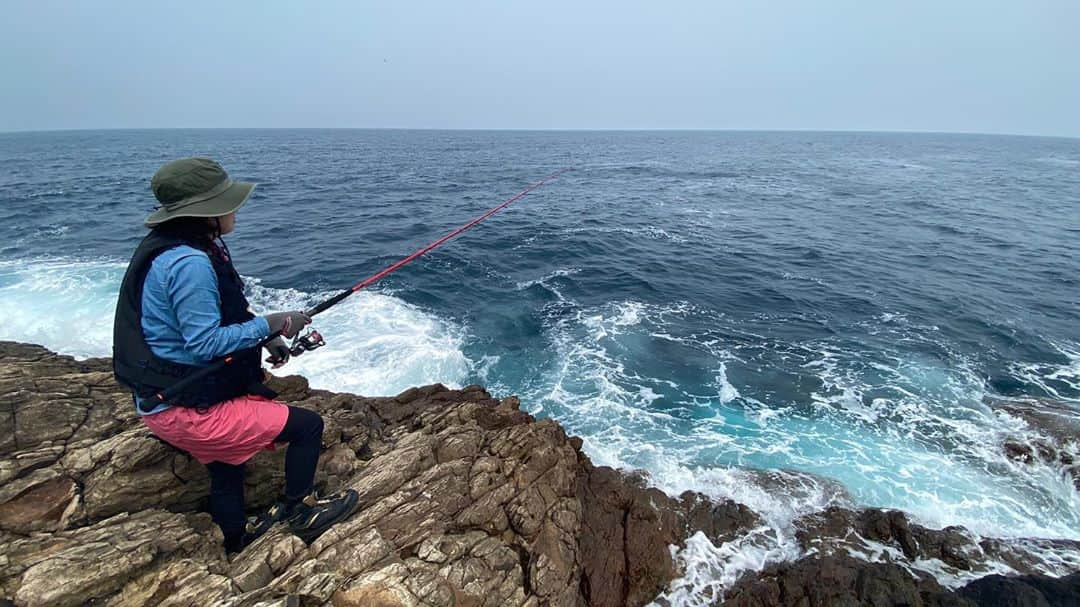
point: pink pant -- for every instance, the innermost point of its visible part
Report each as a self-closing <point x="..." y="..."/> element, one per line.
<point x="231" y="432"/>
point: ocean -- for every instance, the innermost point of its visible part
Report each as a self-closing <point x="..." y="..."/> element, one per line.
<point x="719" y="309"/>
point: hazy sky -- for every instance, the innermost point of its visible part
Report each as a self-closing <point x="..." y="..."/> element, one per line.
<point x="941" y="65"/>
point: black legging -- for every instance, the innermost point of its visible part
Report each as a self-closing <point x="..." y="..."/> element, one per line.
<point x="303" y="431"/>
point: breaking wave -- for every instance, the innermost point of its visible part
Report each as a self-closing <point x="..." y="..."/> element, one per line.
<point x="381" y="344"/>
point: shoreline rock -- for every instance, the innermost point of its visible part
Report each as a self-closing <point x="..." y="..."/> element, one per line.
<point x="1053" y="438"/>
<point x="465" y="500"/>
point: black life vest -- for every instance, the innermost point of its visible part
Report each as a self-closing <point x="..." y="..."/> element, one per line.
<point x="147" y="374"/>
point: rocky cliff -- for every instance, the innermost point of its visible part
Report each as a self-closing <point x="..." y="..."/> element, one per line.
<point x="465" y="500"/>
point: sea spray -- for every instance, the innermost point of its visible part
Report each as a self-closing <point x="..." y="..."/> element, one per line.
<point x="382" y="345"/>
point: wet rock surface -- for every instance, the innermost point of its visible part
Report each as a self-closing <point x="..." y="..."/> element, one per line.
<point x="1052" y="437"/>
<point x="464" y="500"/>
<point x="840" y="580"/>
<point x="1024" y="591"/>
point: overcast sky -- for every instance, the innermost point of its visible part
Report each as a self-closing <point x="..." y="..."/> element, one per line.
<point x="942" y="65"/>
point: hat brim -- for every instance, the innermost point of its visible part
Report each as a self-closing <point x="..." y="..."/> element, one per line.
<point x="224" y="203"/>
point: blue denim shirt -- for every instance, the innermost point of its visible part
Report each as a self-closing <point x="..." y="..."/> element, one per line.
<point x="181" y="312"/>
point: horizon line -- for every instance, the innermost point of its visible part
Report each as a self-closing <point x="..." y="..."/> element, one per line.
<point x="537" y="130"/>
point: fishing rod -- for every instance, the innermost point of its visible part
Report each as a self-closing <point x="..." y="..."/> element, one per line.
<point x="313" y="339"/>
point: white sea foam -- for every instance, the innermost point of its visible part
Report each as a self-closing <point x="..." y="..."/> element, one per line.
<point x="653" y="232"/>
<point x="895" y="431"/>
<point x="1057" y="380"/>
<point x="546" y="281"/>
<point x="43" y="232"/>
<point x="65" y="305"/>
<point x="1057" y="160"/>
<point x="898" y="433"/>
<point x="728" y="392"/>
<point x="709" y="569"/>
<point x="381" y="344"/>
<point x="791" y="276"/>
<point x="897" y="454"/>
<point x="888" y="163"/>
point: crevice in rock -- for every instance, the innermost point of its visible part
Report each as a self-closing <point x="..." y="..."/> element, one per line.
<point x="364" y="452"/>
<point x="172" y="469"/>
<point x="36" y="466"/>
<point x="626" y="556"/>
<point x="10" y="402"/>
<point x="523" y="559"/>
<point x="16" y="447"/>
<point x="409" y="550"/>
<point x="583" y="588"/>
<point x="79" y="425"/>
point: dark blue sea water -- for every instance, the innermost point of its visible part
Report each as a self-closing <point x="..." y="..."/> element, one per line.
<point x="703" y="305"/>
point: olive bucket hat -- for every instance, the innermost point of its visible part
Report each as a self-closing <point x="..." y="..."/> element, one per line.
<point x="195" y="187"/>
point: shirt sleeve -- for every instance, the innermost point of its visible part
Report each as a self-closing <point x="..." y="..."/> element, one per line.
<point x="193" y="292"/>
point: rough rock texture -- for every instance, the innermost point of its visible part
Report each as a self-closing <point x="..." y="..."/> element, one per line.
<point x="839" y="581"/>
<point x="465" y="500"/>
<point x="888" y="533"/>
<point x="1053" y="438"/>
<point x="1024" y="591"/>
<point x="889" y="547"/>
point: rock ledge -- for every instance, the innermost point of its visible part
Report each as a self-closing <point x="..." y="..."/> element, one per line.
<point x="465" y="500"/>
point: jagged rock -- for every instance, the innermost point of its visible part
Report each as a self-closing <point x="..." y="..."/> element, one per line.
<point x="1057" y="429"/>
<point x="839" y="580"/>
<point x="1024" y="591"/>
<point x="1055" y="420"/>
<point x="465" y="500"/>
<point x="838" y="530"/>
<point x="72" y="567"/>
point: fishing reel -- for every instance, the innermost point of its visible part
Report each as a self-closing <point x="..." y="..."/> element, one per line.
<point x="311" y="340"/>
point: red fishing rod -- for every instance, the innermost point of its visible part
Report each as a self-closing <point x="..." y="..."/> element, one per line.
<point x="322" y="307"/>
<point x="313" y="340"/>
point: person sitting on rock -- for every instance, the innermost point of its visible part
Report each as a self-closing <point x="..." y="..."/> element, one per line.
<point x="181" y="306"/>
